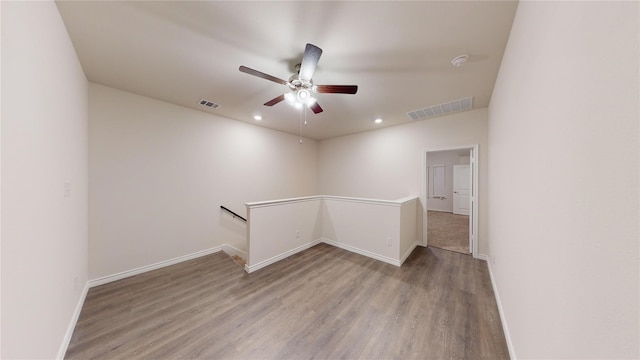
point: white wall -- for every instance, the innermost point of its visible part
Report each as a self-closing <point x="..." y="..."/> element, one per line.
<point x="563" y="180"/>
<point x="369" y="227"/>
<point x="387" y="163"/>
<point x="447" y="158"/>
<point x="282" y="228"/>
<point x="159" y="172"/>
<point x="44" y="146"/>
<point x="410" y="232"/>
<point x="385" y="230"/>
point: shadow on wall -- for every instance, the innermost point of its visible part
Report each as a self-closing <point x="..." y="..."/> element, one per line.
<point x="233" y="225"/>
<point x="318" y="227"/>
<point x="328" y="230"/>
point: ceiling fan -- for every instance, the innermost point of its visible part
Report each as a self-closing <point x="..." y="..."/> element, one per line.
<point x="300" y="84"/>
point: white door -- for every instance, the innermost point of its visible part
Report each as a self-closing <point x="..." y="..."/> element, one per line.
<point x="461" y="189"/>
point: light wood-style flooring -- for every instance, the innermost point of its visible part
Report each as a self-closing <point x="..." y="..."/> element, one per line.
<point x="322" y="303"/>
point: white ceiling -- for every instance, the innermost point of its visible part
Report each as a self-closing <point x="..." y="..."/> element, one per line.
<point x="398" y="53"/>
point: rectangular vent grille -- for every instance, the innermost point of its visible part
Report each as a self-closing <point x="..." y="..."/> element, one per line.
<point x="442" y="109"/>
<point x="209" y="104"/>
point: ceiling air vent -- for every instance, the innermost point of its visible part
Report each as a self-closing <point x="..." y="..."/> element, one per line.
<point x="463" y="104"/>
<point x="209" y="104"/>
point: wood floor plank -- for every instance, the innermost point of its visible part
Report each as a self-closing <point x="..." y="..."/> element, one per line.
<point x="323" y="303"/>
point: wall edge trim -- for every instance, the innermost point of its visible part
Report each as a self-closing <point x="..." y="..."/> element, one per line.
<point x="361" y="252"/>
<point x="231" y="251"/>
<point x="72" y="324"/>
<point x="503" y="319"/>
<point x="406" y="254"/>
<point x="284" y="255"/>
<point x="143" y="269"/>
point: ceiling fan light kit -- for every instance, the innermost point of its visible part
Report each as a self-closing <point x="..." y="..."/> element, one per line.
<point x="301" y="84"/>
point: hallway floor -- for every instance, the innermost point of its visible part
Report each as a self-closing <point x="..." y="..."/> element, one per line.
<point x="448" y="231"/>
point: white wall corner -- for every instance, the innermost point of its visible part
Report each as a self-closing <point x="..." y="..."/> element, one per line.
<point x="406" y="254"/>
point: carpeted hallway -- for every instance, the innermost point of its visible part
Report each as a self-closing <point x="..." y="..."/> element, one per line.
<point x="448" y="231"/>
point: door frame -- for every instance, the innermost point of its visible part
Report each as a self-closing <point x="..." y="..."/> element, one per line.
<point x="473" y="217"/>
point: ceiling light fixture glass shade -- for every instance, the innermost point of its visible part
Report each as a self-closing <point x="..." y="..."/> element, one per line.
<point x="289" y="98"/>
<point x="303" y="96"/>
<point x="299" y="97"/>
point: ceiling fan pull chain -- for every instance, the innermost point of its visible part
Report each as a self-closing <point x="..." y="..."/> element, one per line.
<point x="301" y="110"/>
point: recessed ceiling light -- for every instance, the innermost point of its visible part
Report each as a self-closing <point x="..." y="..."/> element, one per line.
<point x="257" y="117"/>
<point x="377" y="121"/>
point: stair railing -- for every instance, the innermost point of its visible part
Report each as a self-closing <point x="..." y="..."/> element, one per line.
<point x="232" y="213"/>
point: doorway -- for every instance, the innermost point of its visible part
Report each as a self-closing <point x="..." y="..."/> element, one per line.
<point x="450" y="186"/>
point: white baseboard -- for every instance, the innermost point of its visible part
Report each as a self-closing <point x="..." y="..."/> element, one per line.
<point x="125" y="274"/>
<point x="366" y="253"/>
<point x="72" y="324"/>
<point x="406" y="255"/>
<point x="503" y="319"/>
<point x="282" y="256"/>
<point x="232" y="251"/>
<point x="483" y="257"/>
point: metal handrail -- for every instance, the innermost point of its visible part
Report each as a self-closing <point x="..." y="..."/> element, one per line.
<point x="232" y="213"/>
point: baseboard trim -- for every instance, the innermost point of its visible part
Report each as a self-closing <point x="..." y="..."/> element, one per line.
<point x="282" y="256"/>
<point x="233" y="251"/>
<point x="366" y="253"/>
<point x="72" y="324"/>
<point x="503" y="319"/>
<point x="483" y="257"/>
<point x="406" y="255"/>
<point x="143" y="269"/>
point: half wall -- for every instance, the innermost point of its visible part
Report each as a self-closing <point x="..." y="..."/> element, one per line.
<point x="381" y="229"/>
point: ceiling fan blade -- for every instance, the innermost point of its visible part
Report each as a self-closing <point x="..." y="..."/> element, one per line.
<point x="309" y="61"/>
<point x="274" y="100"/>
<point x="337" y="89"/>
<point x="315" y="108"/>
<point x="260" y="74"/>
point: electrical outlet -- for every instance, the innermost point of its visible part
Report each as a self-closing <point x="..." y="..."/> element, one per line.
<point x="389" y="241"/>
<point x="297" y="234"/>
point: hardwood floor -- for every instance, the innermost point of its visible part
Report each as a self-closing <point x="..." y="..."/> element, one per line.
<point x="323" y="303"/>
